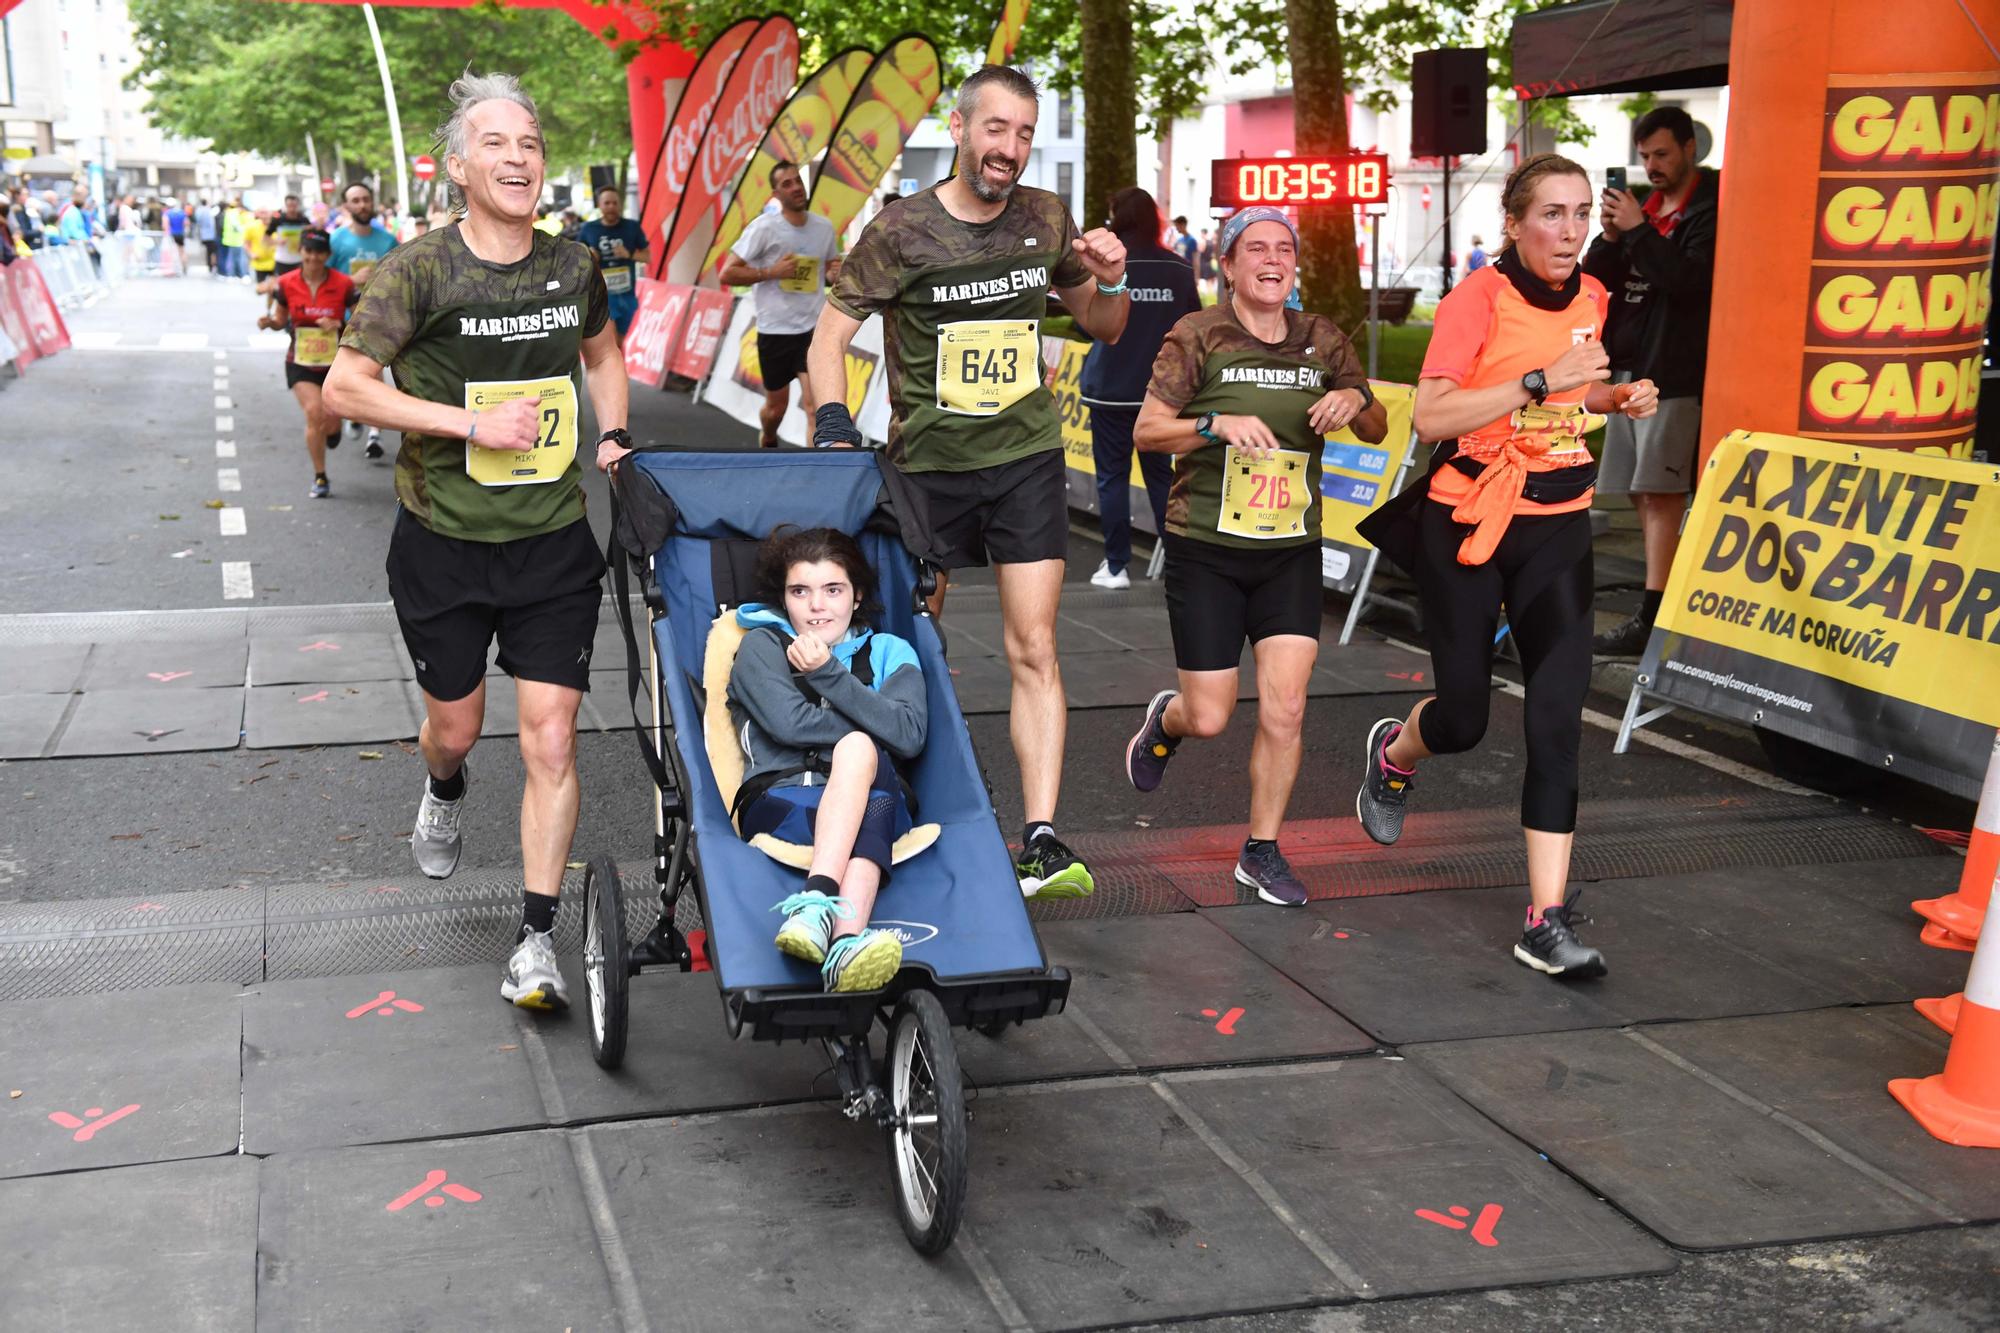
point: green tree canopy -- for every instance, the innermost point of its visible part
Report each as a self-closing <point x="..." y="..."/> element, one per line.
<point x="256" y="77"/>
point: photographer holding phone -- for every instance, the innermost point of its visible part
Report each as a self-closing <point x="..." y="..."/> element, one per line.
<point x="1657" y="260"/>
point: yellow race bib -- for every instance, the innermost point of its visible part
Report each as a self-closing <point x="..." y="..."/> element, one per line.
<point x="618" y="281"/>
<point x="808" y="275"/>
<point x="314" y="347"/>
<point x="554" y="450"/>
<point x="1265" y="499"/>
<point x="986" y="366"/>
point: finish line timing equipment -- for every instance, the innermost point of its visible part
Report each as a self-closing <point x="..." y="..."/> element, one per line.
<point x="1351" y="179"/>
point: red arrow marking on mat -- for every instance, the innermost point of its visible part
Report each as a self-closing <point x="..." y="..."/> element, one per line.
<point x="1227" y="1027"/>
<point x="322" y="646"/>
<point x="92" y="1122"/>
<point x="319" y="698"/>
<point x="164" y="676"/>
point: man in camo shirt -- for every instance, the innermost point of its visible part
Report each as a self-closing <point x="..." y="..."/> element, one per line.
<point x="961" y="274"/>
<point x="483" y="324"/>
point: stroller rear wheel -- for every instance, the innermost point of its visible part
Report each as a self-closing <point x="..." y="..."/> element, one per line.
<point x="606" y="961"/>
<point x="927" y="1130"/>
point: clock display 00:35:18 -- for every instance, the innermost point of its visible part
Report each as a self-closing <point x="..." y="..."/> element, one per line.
<point x="1352" y="178"/>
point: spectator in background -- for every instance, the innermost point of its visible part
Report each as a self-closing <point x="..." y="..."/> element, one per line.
<point x="1205" y="261"/>
<point x="76" y="225"/>
<point x="27" y="219"/>
<point x="1477" y="259"/>
<point x="1182" y="244"/>
<point x="1115" y="375"/>
<point x="206" y="228"/>
<point x="1657" y="260"/>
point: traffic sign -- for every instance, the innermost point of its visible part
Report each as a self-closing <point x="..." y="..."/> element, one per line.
<point x="424" y="167"/>
<point x="1286" y="182"/>
<point x="326" y="187"/>
<point x="1427" y="196"/>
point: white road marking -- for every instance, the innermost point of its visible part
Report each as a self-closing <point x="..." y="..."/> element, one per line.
<point x="222" y="356"/>
<point x="225" y="448"/>
<point x="221" y="384"/>
<point x="183" y="342"/>
<point x="91" y="341"/>
<point x="236" y="581"/>
<point x="1679" y="749"/>
<point x="232" y="520"/>
<point x="228" y="479"/>
<point x="225" y="424"/>
<point x="222" y="403"/>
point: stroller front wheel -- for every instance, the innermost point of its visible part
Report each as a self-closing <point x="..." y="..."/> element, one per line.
<point x="928" y="1147"/>
<point x="606" y="961"/>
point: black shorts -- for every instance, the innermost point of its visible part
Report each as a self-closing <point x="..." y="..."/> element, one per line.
<point x="281" y="268"/>
<point x="781" y="357"/>
<point x="540" y="595"/>
<point x="298" y="374"/>
<point x="1011" y="514"/>
<point x="1218" y="596"/>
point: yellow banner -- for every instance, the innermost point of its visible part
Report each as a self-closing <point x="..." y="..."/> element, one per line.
<point x="1358" y="475"/>
<point x="799" y="134"/>
<point x="1007" y="32"/>
<point x="1860" y="565"/>
<point x="894" y="97"/>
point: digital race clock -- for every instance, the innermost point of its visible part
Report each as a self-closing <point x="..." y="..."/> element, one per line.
<point x="1292" y="182"/>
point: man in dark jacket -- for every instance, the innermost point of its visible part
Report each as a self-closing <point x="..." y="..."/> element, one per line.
<point x="1657" y="260"/>
<point x="1114" y="377"/>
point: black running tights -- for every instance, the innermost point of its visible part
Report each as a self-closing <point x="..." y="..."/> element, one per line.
<point x="1541" y="573"/>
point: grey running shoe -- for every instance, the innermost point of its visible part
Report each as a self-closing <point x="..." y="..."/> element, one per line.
<point x="1267" y="871"/>
<point x="1379" y="805"/>
<point x="1147" y="753"/>
<point x="1551" y="946"/>
<point x="435" y="841"/>
<point x="532" y="979"/>
<point x="319" y="490"/>
<point x="1628" y="639"/>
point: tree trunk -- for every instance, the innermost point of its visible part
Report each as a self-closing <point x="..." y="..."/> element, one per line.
<point x="1329" y="267"/>
<point x="1110" y="108"/>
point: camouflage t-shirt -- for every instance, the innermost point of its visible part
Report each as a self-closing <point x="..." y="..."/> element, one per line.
<point x="1211" y="363"/>
<point x="455" y="329"/>
<point x="962" y="306"/>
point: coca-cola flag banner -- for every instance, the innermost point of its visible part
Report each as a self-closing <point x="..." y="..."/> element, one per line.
<point x="663" y="189"/>
<point x="655" y="331"/>
<point x="751" y="98"/>
<point x="1007" y="32"/>
<point x="799" y="134"/>
<point x="896" y="94"/>
<point x="701" y="339"/>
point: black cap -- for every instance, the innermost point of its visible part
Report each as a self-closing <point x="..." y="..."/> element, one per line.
<point x="315" y="239"/>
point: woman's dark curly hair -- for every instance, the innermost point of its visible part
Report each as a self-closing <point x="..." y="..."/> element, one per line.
<point x="789" y="545"/>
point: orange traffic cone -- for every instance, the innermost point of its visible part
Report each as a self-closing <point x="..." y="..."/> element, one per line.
<point x="1955" y="919"/>
<point x="1962" y="1105"/>
<point x="1943" y="1012"/>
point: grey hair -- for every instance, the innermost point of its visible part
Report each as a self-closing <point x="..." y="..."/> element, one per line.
<point x="1006" y="76"/>
<point x="467" y="91"/>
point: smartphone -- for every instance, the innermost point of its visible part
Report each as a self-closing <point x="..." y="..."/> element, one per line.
<point x="1614" y="178"/>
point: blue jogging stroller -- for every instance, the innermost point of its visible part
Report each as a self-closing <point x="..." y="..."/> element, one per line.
<point x="689" y="524"/>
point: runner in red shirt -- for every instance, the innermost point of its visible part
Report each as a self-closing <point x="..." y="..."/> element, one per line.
<point x="313" y="301"/>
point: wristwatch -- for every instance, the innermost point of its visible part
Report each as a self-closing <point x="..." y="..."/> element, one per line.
<point x="1537" y="385"/>
<point x="617" y="435"/>
<point x="1202" y="425"/>
<point x="1367" y="395"/>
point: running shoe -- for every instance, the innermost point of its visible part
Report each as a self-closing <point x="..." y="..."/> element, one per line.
<point x="1266" y="870"/>
<point x="532" y="979"/>
<point x="808" y="927"/>
<point x="333" y="439"/>
<point x="1147" y="753"/>
<point x="1107" y="577"/>
<point x="1550" y="945"/>
<point x="1627" y="639"/>
<point x="374" y="449"/>
<point x="1379" y="805"/>
<point x="435" y="841"/>
<point x="320" y="489"/>
<point x="867" y="961"/>
<point x="1049" y="869"/>
<point x="354" y="428"/>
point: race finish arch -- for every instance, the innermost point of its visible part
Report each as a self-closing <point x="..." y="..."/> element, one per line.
<point x="652" y="79"/>
<point x="1838" y="579"/>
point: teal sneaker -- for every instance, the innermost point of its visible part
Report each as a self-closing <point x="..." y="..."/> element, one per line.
<point x="808" y="927"/>
<point x="867" y="961"/>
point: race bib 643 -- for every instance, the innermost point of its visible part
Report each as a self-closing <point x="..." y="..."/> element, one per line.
<point x="986" y="366"/>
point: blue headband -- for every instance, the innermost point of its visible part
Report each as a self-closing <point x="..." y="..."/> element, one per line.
<point x="1243" y="219"/>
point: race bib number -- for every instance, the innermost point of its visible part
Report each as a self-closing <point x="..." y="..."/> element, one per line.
<point x="618" y="281"/>
<point x="986" y="366"/>
<point x="1265" y="498"/>
<point x="555" y="447"/>
<point x="807" y="275"/>
<point x="315" y="347"/>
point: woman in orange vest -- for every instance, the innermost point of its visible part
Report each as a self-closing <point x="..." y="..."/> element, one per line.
<point x="1514" y="379"/>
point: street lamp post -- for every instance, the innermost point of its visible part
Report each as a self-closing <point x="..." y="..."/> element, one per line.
<point x="395" y="120"/>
